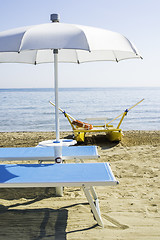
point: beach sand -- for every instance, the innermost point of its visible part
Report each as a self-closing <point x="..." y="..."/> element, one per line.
<point x="129" y="210"/>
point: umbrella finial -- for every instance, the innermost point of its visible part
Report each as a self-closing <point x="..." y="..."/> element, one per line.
<point x="54" y="17"/>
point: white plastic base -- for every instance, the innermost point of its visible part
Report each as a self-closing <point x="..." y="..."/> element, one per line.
<point x="51" y="143"/>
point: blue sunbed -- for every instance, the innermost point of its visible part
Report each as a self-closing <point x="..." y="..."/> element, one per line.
<point x="53" y="175"/>
<point x="47" y="153"/>
<point x="85" y="175"/>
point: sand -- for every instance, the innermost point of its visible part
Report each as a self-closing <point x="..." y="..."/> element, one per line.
<point x="129" y="210"/>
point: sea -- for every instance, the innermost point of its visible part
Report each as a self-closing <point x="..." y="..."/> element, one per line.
<point x="30" y="110"/>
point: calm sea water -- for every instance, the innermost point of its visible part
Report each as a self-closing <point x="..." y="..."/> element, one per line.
<point x="30" y="110"/>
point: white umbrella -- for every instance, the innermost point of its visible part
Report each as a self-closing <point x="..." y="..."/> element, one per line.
<point x="59" y="42"/>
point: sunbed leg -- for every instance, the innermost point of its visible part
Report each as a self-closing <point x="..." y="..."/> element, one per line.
<point x="95" y="197"/>
<point x="93" y="203"/>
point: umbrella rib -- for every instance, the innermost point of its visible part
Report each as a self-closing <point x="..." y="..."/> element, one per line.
<point x="35" y="62"/>
<point x="77" y="57"/>
<point x="115" y="56"/>
<point x="30" y="49"/>
<point x="21" y="43"/>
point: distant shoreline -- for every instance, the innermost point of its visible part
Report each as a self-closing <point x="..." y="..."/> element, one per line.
<point x="79" y="88"/>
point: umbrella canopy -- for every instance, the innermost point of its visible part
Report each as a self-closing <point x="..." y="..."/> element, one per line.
<point x="34" y="44"/>
<point x="59" y="42"/>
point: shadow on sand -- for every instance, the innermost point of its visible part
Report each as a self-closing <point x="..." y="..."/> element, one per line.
<point x="33" y="224"/>
<point x="99" y="140"/>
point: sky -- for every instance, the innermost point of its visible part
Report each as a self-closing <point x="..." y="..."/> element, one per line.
<point x="137" y="20"/>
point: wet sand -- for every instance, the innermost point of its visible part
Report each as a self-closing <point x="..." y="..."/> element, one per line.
<point x="129" y="210"/>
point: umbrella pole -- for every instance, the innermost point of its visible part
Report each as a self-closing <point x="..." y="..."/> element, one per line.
<point x="58" y="148"/>
<point x="56" y="92"/>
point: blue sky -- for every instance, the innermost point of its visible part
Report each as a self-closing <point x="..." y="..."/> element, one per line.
<point x="138" y="20"/>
